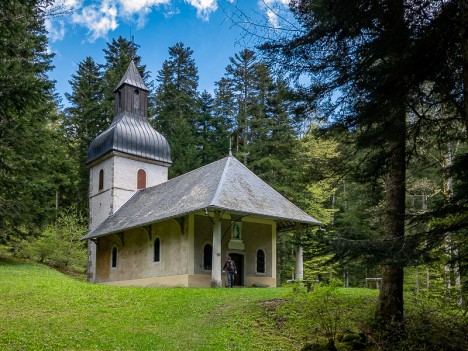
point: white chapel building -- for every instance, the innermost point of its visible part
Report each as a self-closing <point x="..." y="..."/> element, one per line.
<point x="146" y="230"/>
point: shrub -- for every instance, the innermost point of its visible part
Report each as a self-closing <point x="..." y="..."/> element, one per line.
<point x="60" y="244"/>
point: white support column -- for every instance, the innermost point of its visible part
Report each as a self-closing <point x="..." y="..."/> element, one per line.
<point x="299" y="264"/>
<point x="91" y="261"/>
<point x="216" y="281"/>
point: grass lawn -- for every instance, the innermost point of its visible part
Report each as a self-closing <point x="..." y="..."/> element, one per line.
<point x="42" y="309"/>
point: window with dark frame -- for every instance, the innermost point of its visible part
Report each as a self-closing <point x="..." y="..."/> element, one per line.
<point x="114" y="257"/>
<point x="141" y="179"/>
<point x="101" y="179"/>
<point x="260" y="261"/>
<point x="207" y="257"/>
<point x="156" y="250"/>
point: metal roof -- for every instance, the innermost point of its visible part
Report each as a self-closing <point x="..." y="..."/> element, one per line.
<point x="225" y="185"/>
<point x="133" y="135"/>
<point x="132" y="77"/>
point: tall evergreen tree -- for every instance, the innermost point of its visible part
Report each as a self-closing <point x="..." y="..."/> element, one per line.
<point x="242" y="80"/>
<point x="363" y="64"/>
<point x="177" y="108"/>
<point x="28" y="115"/>
<point x="212" y="130"/>
<point x="85" y="120"/>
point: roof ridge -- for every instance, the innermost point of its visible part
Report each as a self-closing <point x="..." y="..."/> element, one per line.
<point x="276" y="191"/>
<point x="221" y="180"/>
<point x="132" y="77"/>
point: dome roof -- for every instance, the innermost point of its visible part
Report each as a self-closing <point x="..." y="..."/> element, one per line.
<point x="130" y="131"/>
<point x="133" y="135"/>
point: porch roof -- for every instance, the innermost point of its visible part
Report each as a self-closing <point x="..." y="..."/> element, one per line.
<point x="225" y="185"/>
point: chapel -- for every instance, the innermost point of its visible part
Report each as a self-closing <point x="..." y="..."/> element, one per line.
<point x="148" y="230"/>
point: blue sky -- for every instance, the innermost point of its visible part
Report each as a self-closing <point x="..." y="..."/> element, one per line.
<point x="202" y="25"/>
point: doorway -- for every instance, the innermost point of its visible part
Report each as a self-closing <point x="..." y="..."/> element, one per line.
<point x="239" y="261"/>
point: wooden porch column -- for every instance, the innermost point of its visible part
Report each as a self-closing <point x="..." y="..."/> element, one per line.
<point x="216" y="281"/>
<point x="299" y="264"/>
<point x="299" y="271"/>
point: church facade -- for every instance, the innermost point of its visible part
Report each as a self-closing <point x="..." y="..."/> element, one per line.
<point x="146" y="230"/>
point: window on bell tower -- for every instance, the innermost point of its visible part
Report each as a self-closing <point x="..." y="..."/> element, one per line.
<point x="101" y="179"/>
<point x="141" y="179"/>
<point x="136" y="100"/>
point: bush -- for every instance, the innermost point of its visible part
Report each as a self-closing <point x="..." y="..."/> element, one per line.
<point x="429" y="324"/>
<point x="60" y="244"/>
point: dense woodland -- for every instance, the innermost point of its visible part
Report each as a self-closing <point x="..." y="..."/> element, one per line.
<point x="358" y="113"/>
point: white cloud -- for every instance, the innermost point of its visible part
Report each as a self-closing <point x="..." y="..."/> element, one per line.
<point x="204" y="7"/>
<point x="136" y="6"/>
<point x="56" y="29"/>
<point x="100" y="17"/>
<point x="273" y="8"/>
<point x="99" y="20"/>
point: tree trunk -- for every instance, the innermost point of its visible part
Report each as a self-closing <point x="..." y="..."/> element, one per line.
<point x="390" y="305"/>
<point x="464" y="44"/>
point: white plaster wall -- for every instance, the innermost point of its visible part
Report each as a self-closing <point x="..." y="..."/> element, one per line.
<point x="100" y="202"/>
<point x="120" y="183"/>
<point x="125" y="178"/>
<point x="135" y="258"/>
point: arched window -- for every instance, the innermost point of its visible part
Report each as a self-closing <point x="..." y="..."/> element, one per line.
<point x="101" y="179"/>
<point x="207" y="257"/>
<point x="136" y="100"/>
<point x="260" y="261"/>
<point x="141" y="179"/>
<point x="156" y="250"/>
<point x="114" y="257"/>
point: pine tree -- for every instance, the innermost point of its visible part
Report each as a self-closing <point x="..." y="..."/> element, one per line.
<point x="366" y="73"/>
<point x="177" y="108"/>
<point x="85" y="120"/>
<point x="212" y="130"/>
<point x="242" y="81"/>
<point x="31" y="155"/>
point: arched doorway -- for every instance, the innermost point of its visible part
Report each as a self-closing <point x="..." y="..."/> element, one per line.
<point x="239" y="261"/>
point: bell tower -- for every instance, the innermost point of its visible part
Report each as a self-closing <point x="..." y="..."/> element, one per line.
<point x="128" y="156"/>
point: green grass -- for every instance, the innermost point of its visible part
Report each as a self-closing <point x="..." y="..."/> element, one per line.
<point x="42" y="309"/>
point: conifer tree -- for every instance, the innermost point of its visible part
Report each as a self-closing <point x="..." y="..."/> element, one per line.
<point x="212" y="130"/>
<point x="85" y="120"/>
<point x="29" y="150"/>
<point x="365" y="64"/>
<point x="177" y="108"/>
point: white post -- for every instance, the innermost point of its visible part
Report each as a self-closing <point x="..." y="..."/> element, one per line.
<point x="91" y="261"/>
<point x="216" y="258"/>
<point x="299" y="263"/>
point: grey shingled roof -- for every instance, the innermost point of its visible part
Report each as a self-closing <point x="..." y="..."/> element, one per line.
<point x="133" y="135"/>
<point x="132" y="77"/>
<point x="224" y="185"/>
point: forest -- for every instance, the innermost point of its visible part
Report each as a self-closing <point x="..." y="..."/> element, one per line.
<point x="358" y="113"/>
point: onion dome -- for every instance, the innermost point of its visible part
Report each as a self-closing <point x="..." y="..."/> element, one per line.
<point x="130" y="131"/>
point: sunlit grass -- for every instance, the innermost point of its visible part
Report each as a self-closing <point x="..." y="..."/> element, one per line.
<point x="42" y="309"/>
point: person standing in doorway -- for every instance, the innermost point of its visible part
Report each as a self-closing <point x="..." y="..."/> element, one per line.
<point x="231" y="270"/>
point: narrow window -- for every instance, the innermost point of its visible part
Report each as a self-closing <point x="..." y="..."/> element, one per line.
<point x="101" y="179"/>
<point x="114" y="257"/>
<point x="207" y="257"/>
<point x="156" y="249"/>
<point x="136" y="100"/>
<point x="260" y="261"/>
<point x="119" y="102"/>
<point x="141" y="179"/>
